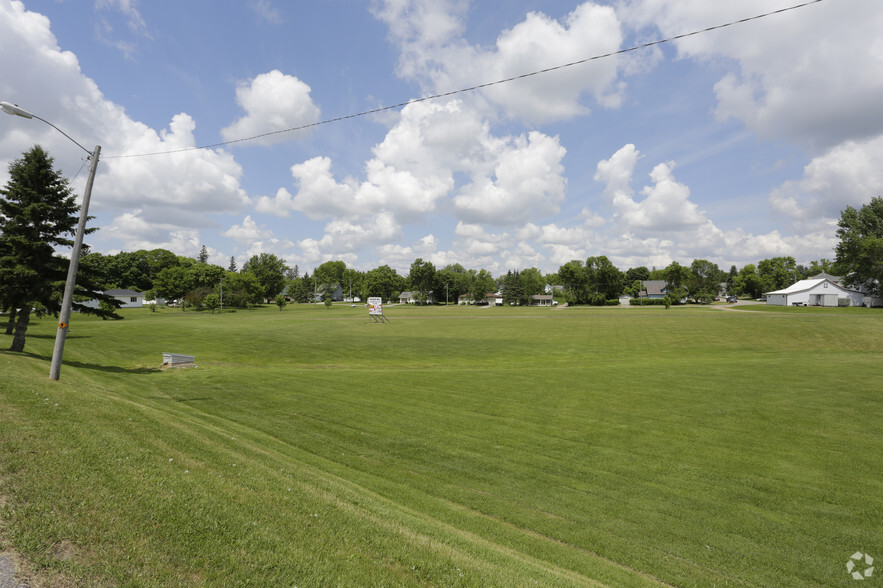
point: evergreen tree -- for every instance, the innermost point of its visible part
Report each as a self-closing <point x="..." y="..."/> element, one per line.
<point x="513" y="289"/>
<point x="232" y="266"/>
<point x="203" y="255"/>
<point x="38" y="212"/>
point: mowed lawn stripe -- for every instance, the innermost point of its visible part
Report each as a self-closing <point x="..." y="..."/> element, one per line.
<point x="691" y="446"/>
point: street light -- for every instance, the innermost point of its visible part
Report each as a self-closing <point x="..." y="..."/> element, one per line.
<point x="70" y="284"/>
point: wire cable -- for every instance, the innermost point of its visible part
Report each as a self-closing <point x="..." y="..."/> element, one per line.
<point x="473" y="88"/>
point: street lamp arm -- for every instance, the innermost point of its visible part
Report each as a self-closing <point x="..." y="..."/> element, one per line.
<point x="16" y="110"/>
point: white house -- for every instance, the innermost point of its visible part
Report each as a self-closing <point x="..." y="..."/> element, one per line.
<point x="128" y="298"/>
<point x="413" y="298"/>
<point x="542" y="300"/>
<point x="817" y="292"/>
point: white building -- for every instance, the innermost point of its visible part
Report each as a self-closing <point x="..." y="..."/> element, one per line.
<point x="815" y="292"/>
<point x="128" y="298"/>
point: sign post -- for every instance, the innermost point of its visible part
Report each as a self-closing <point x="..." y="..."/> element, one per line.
<point x="375" y="309"/>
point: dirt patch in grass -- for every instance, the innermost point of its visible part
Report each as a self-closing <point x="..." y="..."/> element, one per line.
<point x="17" y="572"/>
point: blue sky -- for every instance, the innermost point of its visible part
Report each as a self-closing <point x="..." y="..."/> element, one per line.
<point x="733" y="146"/>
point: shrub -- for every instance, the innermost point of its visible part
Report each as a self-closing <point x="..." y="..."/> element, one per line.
<point x="647" y="301"/>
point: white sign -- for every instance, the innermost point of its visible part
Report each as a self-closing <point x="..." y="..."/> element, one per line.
<point x="375" y="306"/>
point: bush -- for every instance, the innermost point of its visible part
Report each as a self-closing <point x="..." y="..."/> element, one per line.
<point x="647" y="301"/>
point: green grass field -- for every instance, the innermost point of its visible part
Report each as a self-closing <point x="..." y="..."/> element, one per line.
<point x="452" y="447"/>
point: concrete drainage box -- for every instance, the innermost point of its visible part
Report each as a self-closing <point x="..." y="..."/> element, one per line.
<point x="177" y="360"/>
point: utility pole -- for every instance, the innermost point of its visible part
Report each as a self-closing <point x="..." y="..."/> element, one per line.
<point x="71" y="283"/>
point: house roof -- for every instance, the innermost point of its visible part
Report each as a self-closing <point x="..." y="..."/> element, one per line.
<point x="804" y="285"/>
<point x="122" y="292"/>
<point x="824" y="276"/>
<point x="654" y="287"/>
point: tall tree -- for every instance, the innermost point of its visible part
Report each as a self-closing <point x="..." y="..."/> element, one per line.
<point x="232" y="266"/>
<point x="731" y="278"/>
<point x="38" y="212"/>
<point x="533" y="282"/>
<point x="453" y="280"/>
<point x="422" y="276"/>
<point x="481" y="284"/>
<point x="573" y="277"/>
<point x="676" y="279"/>
<point x="173" y="283"/>
<point x="748" y="282"/>
<point x="270" y="272"/>
<point x="512" y="288"/>
<point x="603" y="278"/>
<point x="705" y="279"/>
<point x="383" y="281"/>
<point x="639" y="273"/>
<point x="777" y="273"/>
<point x="242" y="289"/>
<point x="820" y="266"/>
<point x="860" y="250"/>
<point x="296" y="290"/>
<point x="351" y="283"/>
<point x="329" y="275"/>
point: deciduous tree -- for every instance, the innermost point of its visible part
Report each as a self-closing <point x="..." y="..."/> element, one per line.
<point x="329" y="275"/>
<point x="676" y="279"/>
<point x="704" y="280"/>
<point x="421" y="276"/>
<point x="383" y="281"/>
<point x="603" y="278"/>
<point x="481" y="284"/>
<point x="777" y="273"/>
<point x="269" y="271"/>
<point x="747" y="282"/>
<point x="860" y="250"/>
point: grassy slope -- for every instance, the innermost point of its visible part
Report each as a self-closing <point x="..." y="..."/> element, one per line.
<point x="452" y="446"/>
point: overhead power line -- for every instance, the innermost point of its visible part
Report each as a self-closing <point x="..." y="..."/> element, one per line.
<point x="474" y="88"/>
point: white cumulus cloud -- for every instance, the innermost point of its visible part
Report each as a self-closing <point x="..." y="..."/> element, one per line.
<point x="273" y="101"/>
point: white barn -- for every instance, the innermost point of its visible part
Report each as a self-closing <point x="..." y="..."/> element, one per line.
<point x="815" y="292"/>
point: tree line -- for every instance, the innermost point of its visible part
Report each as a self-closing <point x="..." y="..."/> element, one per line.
<point x="38" y="214"/>
<point x="265" y="277"/>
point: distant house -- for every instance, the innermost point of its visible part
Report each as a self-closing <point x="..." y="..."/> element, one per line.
<point x="542" y="300"/>
<point x="653" y="289"/>
<point x="815" y="292"/>
<point x="336" y="294"/>
<point x="464" y="299"/>
<point x="413" y="298"/>
<point x="494" y="299"/>
<point x="658" y="289"/>
<point x="128" y="298"/>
